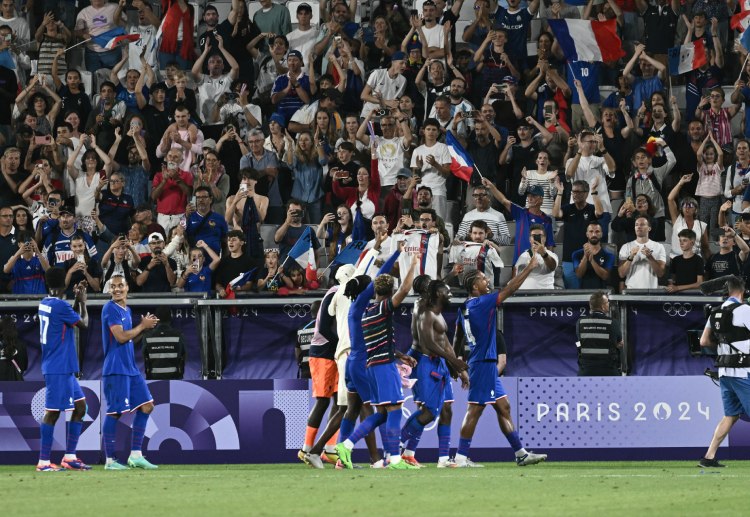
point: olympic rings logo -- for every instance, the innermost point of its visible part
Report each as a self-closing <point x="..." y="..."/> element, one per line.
<point x="677" y="309"/>
<point x="297" y="310"/>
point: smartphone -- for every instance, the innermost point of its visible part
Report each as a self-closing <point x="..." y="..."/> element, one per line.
<point x="121" y="236"/>
<point x="81" y="259"/>
<point x="413" y="12"/>
<point x="337" y="39"/>
<point x="537" y="238"/>
<point x="406" y="212"/>
<point x="193" y="201"/>
<point x="297" y="213"/>
<point x="465" y="114"/>
<point x="548" y="110"/>
<point x="382" y="112"/>
<point x="43" y="140"/>
<point x="243" y="187"/>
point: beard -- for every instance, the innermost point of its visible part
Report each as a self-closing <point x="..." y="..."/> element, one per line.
<point x="594" y="241"/>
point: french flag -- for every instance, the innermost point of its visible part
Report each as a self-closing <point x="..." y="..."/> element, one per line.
<point x="686" y="58"/>
<point x="585" y="40"/>
<point x="461" y="163"/>
<point x="114" y="38"/>
<point x="741" y="20"/>
<point x="304" y="254"/>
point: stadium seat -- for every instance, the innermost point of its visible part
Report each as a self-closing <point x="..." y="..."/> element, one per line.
<point x="506" y="254"/>
<point x="460" y="27"/>
<point x="267" y="232"/>
<point x="224" y="8"/>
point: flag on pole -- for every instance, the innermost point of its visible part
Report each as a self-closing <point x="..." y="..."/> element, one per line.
<point x="745" y="41"/>
<point x="686" y="58"/>
<point x="114" y="38"/>
<point x="462" y="166"/>
<point x="586" y="40"/>
<point x="350" y="254"/>
<point x="741" y="20"/>
<point x="242" y="279"/>
<point x="304" y="254"/>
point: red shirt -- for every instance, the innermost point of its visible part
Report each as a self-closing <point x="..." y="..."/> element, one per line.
<point x="172" y="200"/>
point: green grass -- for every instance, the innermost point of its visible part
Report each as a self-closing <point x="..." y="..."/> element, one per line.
<point x="554" y="488"/>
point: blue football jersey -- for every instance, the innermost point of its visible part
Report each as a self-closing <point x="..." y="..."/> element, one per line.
<point x="56" y="321"/>
<point x="119" y="358"/>
<point x="478" y="317"/>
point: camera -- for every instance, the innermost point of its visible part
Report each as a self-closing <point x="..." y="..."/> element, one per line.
<point x="297" y="213"/>
<point x="382" y="112"/>
<point x="157" y="252"/>
<point x="232" y="96"/>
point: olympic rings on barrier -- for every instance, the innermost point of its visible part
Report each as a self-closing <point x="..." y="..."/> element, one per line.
<point x="677" y="309"/>
<point x="297" y="310"/>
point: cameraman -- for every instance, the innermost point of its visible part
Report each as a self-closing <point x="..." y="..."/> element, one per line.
<point x="599" y="340"/>
<point x="734" y="365"/>
<point x="13" y="358"/>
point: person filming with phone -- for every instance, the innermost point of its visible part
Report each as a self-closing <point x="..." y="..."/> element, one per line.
<point x="542" y="277"/>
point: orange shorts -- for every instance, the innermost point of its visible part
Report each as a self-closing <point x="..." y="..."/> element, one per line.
<point x="325" y="377"/>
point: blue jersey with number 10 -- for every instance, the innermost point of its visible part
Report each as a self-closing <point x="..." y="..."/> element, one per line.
<point x="478" y="318"/>
<point x="56" y="321"/>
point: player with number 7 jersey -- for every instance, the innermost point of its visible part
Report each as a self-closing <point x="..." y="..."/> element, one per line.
<point x="60" y="366"/>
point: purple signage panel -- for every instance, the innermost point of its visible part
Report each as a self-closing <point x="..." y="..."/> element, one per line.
<point x="618" y="412"/>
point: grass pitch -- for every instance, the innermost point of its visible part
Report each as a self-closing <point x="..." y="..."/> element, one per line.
<point x="554" y="488"/>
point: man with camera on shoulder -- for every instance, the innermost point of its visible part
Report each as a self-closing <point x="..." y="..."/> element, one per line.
<point x="728" y="327"/>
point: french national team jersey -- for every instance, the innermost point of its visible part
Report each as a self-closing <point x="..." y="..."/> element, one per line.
<point x="478" y="317"/>
<point x="56" y="321"/>
<point x="377" y="327"/>
<point x="476" y="256"/>
<point x="418" y="241"/>
<point x="119" y="359"/>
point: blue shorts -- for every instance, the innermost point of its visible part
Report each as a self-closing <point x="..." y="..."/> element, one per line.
<point x="62" y="392"/>
<point x="484" y="384"/>
<point x="449" y="390"/>
<point x="735" y="395"/>
<point x="385" y="384"/>
<point x="356" y="379"/>
<point x="432" y="378"/>
<point x="125" y="393"/>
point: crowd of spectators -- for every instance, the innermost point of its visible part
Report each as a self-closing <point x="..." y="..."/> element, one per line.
<point x="206" y="132"/>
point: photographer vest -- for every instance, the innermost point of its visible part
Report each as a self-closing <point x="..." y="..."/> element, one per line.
<point x="728" y="333"/>
<point x="163" y="353"/>
<point x="597" y="344"/>
<point x="304" y="338"/>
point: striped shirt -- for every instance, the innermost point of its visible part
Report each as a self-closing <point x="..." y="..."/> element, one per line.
<point x="377" y="327"/>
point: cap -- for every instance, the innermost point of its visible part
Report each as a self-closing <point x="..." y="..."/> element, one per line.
<point x="535" y="190"/>
<point x="331" y="93"/>
<point x="68" y="208"/>
<point x="403" y="172"/>
<point x="159" y="86"/>
<point x="344" y="273"/>
<point x="209" y="143"/>
<point x="508" y="79"/>
<point x="414" y="45"/>
<point x="278" y="118"/>
<point x="398" y="56"/>
<point x="295" y="53"/>
<point x="156" y="237"/>
<point x="304" y="6"/>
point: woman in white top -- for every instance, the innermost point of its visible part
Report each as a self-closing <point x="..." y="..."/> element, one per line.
<point x="542" y="177"/>
<point x="96" y="169"/>
<point x="685" y="217"/>
<point x="178" y="248"/>
<point x="709" y="190"/>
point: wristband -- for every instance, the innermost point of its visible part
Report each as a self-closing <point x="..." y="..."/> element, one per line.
<point x="595" y="193"/>
<point x="545" y="255"/>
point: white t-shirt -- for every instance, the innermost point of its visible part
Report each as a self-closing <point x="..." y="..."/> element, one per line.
<point x="434" y="37"/>
<point x="86" y="194"/>
<point x="390" y="159"/>
<point x="373" y="266"/>
<point x="418" y="241"/>
<point x="209" y="92"/>
<point x="430" y="175"/>
<point x="540" y="278"/>
<point x="97" y="21"/>
<point x="641" y="275"/>
<point x="473" y="256"/>
<point x="304" y="41"/>
<point x="389" y="88"/>
<point x="590" y="167"/>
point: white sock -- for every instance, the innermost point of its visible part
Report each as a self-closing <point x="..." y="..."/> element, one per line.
<point x="306" y="448"/>
<point x="110" y="461"/>
<point x="136" y="454"/>
<point x="329" y="449"/>
<point x="520" y="453"/>
<point x="349" y="444"/>
<point x="442" y="459"/>
<point x="460" y="458"/>
<point x="70" y="457"/>
<point x="43" y="463"/>
<point x="407" y="452"/>
<point x="395" y="459"/>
